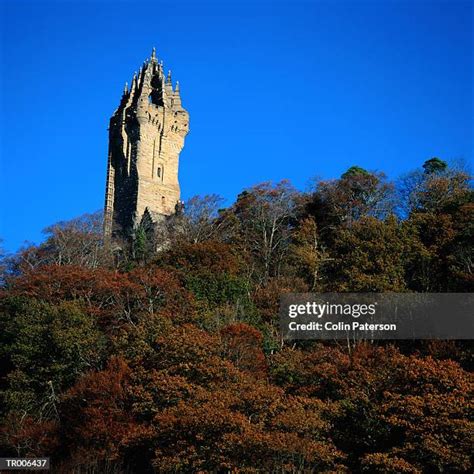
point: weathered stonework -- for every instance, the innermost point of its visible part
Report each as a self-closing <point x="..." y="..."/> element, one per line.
<point x="146" y="136"/>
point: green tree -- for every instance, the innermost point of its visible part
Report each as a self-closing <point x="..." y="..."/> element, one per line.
<point x="434" y="165"/>
<point x="44" y="348"/>
<point x="357" y="194"/>
<point x="369" y="256"/>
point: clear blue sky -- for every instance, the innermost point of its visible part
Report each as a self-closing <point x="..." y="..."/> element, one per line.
<point x="274" y="90"/>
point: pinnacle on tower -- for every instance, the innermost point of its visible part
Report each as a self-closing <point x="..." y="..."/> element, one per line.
<point x="125" y="89"/>
<point x="133" y="87"/>
<point x="153" y="53"/>
<point x="176" y="97"/>
<point x="169" y="87"/>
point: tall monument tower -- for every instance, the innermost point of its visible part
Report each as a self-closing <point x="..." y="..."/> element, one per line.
<point x="146" y="136"/>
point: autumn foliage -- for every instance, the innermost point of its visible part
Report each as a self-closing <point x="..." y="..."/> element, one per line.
<point x="172" y="361"/>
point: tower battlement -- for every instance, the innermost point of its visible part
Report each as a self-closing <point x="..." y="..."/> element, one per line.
<point x="146" y="136"/>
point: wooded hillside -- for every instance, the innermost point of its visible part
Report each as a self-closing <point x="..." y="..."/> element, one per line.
<point x="127" y="359"/>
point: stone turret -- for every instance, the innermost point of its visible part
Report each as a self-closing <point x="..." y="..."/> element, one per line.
<point x="146" y="136"/>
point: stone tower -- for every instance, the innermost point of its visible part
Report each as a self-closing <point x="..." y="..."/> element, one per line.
<point x="146" y="136"/>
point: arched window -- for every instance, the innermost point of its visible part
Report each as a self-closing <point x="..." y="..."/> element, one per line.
<point x="155" y="98"/>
